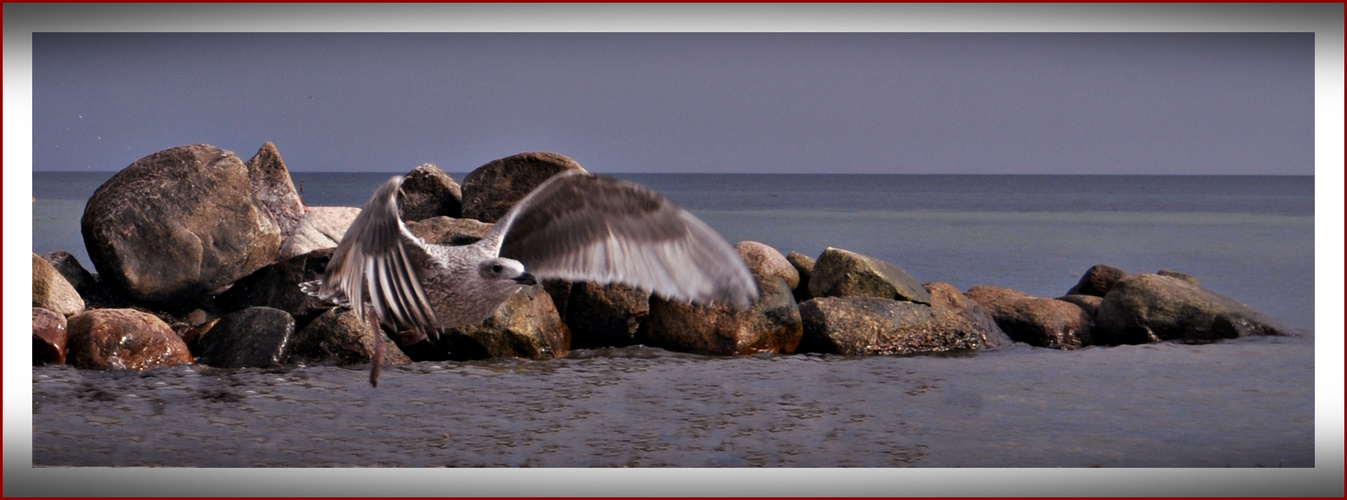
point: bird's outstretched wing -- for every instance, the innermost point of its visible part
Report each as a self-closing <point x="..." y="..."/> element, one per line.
<point x="373" y="254"/>
<point x="583" y="227"/>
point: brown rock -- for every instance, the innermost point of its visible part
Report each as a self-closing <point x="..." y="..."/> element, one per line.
<point x="858" y="326"/>
<point x="257" y="337"/>
<point x="275" y="191"/>
<point x="842" y="273"/>
<point x="51" y="291"/>
<point x="338" y="336"/>
<point x="491" y="189"/>
<point x="956" y="314"/>
<point x="525" y="326"/>
<point x="178" y="225"/>
<point x="122" y="339"/>
<point x="605" y="315"/>
<point x="443" y="230"/>
<point x="771" y="325"/>
<point x="1097" y="281"/>
<point x="71" y="269"/>
<point x="804" y="267"/>
<point x="49" y="337"/>
<point x="277" y="286"/>
<point x="1183" y="276"/>
<point x="1035" y="321"/>
<point x="1148" y="308"/>
<point x="1088" y="303"/>
<point x="767" y="261"/>
<point x="429" y="192"/>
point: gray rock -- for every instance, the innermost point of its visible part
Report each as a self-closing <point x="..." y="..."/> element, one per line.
<point x="444" y="230"/>
<point x="71" y="269"/>
<point x="859" y="326"/>
<point x="257" y="337"/>
<point x="525" y="326"/>
<point x="51" y="291"/>
<point x="429" y="192"/>
<point x="178" y="225"/>
<point x="604" y="315"/>
<point x="767" y="261"/>
<point x="122" y="339"/>
<point x="277" y="286"/>
<point x="338" y="336"/>
<point x="1148" y="307"/>
<point x="842" y="273"/>
<point x="491" y="189"/>
<point x="1097" y="280"/>
<point x="49" y="337"/>
<point x="804" y="267"/>
<point x="771" y="325"/>
<point x="274" y="189"/>
<point x="321" y="227"/>
<point x="1035" y="321"/>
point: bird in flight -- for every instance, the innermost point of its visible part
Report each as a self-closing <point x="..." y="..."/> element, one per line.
<point x="575" y="226"/>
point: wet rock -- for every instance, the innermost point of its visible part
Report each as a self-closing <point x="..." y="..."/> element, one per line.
<point x="491" y="189"/>
<point x="525" y="326"/>
<point x="767" y="261"/>
<point x="178" y="225"/>
<point x="1148" y="308"/>
<point x="605" y="315"/>
<point x="429" y="192"/>
<point x="1183" y="276"/>
<point x="957" y="314"/>
<point x="842" y="273"/>
<point x="858" y="326"/>
<point x="1097" y="281"/>
<point x="71" y="269"/>
<point x="338" y="336"/>
<point x="257" y="337"/>
<point x="51" y="291"/>
<point x="771" y="325"/>
<point x="274" y="189"/>
<point x="449" y="231"/>
<point x="804" y="267"/>
<point x="1088" y="303"/>
<point x="49" y="337"/>
<point x="321" y="227"/>
<point x="1035" y="321"/>
<point x="277" y="286"/>
<point x="122" y="339"/>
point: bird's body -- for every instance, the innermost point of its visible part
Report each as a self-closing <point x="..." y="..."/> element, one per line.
<point x="574" y="226"/>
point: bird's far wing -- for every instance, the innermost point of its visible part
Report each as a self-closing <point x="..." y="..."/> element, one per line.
<point x="374" y="253"/>
<point x="584" y="227"/>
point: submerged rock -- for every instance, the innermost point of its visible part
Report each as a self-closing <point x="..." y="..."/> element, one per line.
<point x="429" y="192"/>
<point x="1149" y="307"/>
<point x="51" y="291"/>
<point x="257" y="337"/>
<point x="1035" y="321"/>
<point x="842" y="273"/>
<point x="491" y="189"/>
<point x="49" y="337"/>
<point x="122" y="339"/>
<point x="771" y="325"/>
<point x="178" y="225"/>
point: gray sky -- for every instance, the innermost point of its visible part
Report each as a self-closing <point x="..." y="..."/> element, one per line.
<point x="1126" y="103"/>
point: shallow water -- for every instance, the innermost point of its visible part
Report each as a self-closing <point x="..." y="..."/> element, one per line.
<point x="1243" y="403"/>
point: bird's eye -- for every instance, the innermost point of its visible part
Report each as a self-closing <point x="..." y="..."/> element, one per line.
<point x="497" y="268"/>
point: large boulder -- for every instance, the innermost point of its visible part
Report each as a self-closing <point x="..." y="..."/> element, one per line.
<point x="338" y="336"/>
<point x="51" y="291"/>
<point x="1097" y="280"/>
<point x="859" y="326"/>
<point x="429" y="192"/>
<point x="122" y="339"/>
<point x="604" y="315"/>
<point x="49" y="337"/>
<point x="444" y="230"/>
<point x="178" y="225"/>
<point x="525" y="326"/>
<point x="767" y="261"/>
<point x="956" y="313"/>
<point x="1039" y="322"/>
<point x="257" y="337"/>
<point x="275" y="190"/>
<point x="1149" y="307"/>
<point x="491" y="189"/>
<point x="321" y="227"/>
<point x="842" y="273"/>
<point x="770" y="325"/>
<point x="277" y="286"/>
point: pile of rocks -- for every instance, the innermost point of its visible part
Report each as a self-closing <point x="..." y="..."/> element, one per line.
<point x="199" y="256"/>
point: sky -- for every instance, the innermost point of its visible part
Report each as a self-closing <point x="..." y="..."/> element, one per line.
<point x="978" y="103"/>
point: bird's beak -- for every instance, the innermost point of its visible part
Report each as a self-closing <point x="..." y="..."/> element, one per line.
<point x="526" y="279"/>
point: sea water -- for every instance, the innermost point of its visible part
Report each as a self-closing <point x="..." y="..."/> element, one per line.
<point x="1240" y="403"/>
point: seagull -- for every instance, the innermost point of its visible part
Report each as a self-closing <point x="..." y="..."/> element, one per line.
<point x="575" y="226"/>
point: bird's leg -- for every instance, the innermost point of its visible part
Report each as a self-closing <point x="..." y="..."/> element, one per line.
<point x="378" y="350"/>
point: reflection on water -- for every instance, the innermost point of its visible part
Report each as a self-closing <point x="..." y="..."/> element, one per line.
<point x="643" y="407"/>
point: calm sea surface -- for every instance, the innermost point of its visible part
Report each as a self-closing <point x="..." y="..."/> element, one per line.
<point x="1242" y="403"/>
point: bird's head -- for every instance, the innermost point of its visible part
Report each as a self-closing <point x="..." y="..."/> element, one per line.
<point x="505" y="271"/>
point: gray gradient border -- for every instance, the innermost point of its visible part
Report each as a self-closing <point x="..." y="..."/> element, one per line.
<point x="1325" y="20"/>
